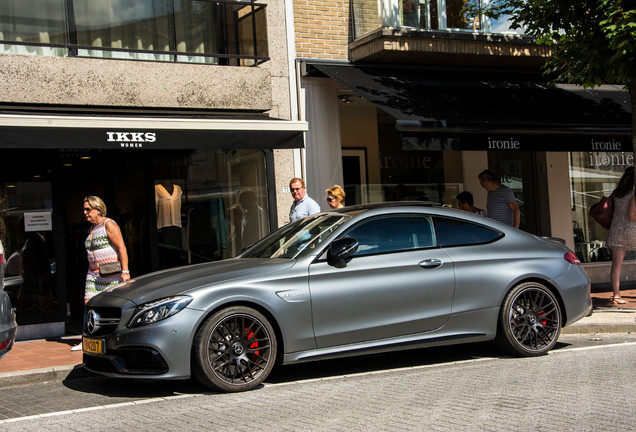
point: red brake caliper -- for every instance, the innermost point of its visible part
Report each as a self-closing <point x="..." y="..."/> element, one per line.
<point x="543" y="321"/>
<point x="254" y="344"/>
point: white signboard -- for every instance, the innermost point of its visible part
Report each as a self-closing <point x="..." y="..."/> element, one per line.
<point x="37" y="221"/>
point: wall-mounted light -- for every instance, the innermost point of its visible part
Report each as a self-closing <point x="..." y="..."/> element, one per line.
<point x="344" y="98"/>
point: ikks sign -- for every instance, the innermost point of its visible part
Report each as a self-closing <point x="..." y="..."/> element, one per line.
<point x="26" y="137"/>
<point x="131" y="139"/>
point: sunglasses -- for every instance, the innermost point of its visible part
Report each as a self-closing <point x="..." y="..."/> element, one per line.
<point x="330" y="199"/>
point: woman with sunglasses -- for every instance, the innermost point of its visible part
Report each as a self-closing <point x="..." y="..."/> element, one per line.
<point x="335" y="197"/>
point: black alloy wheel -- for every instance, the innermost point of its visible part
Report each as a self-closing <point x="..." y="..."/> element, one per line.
<point x="530" y="320"/>
<point x="234" y="350"/>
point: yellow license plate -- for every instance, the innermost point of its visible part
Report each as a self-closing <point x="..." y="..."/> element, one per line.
<point x="93" y="346"/>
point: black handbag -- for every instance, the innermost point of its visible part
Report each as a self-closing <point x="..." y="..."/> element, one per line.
<point x="579" y="237"/>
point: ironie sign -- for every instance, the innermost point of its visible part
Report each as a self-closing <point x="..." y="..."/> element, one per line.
<point x="520" y="142"/>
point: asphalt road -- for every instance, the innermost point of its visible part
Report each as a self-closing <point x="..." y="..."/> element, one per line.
<point x="586" y="384"/>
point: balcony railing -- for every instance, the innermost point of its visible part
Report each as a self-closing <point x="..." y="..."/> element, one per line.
<point x="453" y="15"/>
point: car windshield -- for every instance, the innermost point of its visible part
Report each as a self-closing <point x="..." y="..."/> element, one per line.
<point x="296" y="239"/>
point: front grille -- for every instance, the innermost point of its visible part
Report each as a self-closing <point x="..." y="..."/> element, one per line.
<point x="129" y="361"/>
<point x="100" y="321"/>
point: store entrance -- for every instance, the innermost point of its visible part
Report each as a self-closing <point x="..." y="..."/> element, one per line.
<point x="521" y="172"/>
<point x="121" y="181"/>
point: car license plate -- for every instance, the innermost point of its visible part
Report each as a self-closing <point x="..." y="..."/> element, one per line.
<point x="93" y="346"/>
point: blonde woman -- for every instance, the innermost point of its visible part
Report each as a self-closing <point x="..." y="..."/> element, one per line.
<point x="104" y="244"/>
<point x="335" y="196"/>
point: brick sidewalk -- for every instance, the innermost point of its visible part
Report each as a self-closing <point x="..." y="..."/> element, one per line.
<point x="41" y="353"/>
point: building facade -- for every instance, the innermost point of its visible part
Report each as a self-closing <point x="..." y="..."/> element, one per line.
<point x="180" y="114"/>
<point x="412" y="99"/>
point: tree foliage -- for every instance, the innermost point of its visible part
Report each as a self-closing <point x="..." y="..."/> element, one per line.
<point x="593" y="41"/>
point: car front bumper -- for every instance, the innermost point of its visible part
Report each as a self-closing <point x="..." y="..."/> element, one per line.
<point x="158" y="351"/>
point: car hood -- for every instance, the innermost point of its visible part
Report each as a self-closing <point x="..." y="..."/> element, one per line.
<point x="180" y="280"/>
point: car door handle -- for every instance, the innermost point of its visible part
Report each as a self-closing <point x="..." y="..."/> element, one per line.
<point x="431" y="263"/>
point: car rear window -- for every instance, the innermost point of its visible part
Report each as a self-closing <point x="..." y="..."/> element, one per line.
<point x="455" y="232"/>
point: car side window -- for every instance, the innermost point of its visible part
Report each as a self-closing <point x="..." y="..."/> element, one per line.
<point x="394" y="233"/>
<point x="455" y="232"/>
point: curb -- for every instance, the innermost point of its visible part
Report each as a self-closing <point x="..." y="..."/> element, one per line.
<point x="614" y="320"/>
<point x="34" y="376"/>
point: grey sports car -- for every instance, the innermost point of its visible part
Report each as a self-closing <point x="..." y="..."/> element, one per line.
<point x="353" y="281"/>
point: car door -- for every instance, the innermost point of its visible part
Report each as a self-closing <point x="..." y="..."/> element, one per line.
<point x="397" y="283"/>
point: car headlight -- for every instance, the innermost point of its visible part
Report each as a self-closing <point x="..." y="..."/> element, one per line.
<point x="158" y="310"/>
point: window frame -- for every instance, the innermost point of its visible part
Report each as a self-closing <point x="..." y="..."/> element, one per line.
<point x="429" y="217"/>
<point x="72" y="48"/>
<point x="467" y="222"/>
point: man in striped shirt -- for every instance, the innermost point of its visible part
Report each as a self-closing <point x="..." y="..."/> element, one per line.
<point x="501" y="203"/>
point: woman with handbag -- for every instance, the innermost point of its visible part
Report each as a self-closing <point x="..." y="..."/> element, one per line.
<point x="106" y="252"/>
<point x="622" y="231"/>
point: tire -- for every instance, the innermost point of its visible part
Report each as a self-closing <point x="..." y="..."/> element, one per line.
<point x="529" y="321"/>
<point x="234" y="350"/>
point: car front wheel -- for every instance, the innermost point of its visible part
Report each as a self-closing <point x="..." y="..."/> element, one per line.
<point x="529" y="321"/>
<point x="234" y="350"/>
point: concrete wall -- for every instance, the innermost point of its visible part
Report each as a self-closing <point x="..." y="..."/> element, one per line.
<point x="599" y="274"/>
<point x="559" y="196"/>
<point x="91" y="82"/>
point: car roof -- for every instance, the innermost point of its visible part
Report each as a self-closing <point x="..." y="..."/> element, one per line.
<point x="389" y="204"/>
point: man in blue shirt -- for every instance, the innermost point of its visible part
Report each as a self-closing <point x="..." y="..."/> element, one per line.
<point x="303" y="205"/>
<point x="501" y="203"/>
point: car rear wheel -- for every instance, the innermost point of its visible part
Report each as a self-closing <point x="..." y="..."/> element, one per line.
<point x="530" y="320"/>
<point x="234" y="350"/>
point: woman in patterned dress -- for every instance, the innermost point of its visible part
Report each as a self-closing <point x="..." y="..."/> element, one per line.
<point x="622" y="232"/>
<point x="104" y="244"/>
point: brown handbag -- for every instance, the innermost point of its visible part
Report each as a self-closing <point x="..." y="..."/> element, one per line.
<point x="110" y="268"/>
<point x="603" y="211"/>
<point x="106" y="269"/>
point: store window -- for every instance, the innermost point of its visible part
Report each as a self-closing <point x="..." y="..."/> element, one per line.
<point x="210" y="204"/>
<point x="26" y="228"/>
<point x="593" y="175"/>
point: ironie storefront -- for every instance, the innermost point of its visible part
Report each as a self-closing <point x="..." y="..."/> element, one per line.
<point x="434" y="129"/>
<point x="179" y="189"/>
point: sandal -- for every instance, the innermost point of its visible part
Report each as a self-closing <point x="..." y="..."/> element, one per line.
<point x="618" y="301"/>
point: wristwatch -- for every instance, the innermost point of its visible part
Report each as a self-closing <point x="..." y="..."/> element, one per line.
<point x="126" y="271"/>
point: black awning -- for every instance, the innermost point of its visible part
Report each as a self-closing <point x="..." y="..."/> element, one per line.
<point x="479" y="110"/>
<point x="45" y="132"/>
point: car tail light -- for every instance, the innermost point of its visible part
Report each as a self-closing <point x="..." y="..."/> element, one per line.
<point x="572" y="258"/>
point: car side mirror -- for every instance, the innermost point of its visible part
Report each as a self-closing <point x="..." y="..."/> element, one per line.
<point x="341" y="249"/>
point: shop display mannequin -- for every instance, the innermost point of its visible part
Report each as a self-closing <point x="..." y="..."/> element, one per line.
<point x="168" y="206"/>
